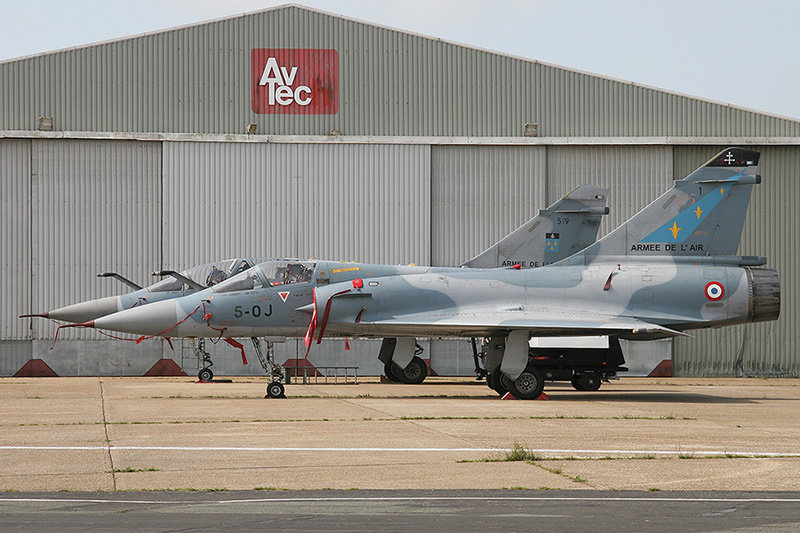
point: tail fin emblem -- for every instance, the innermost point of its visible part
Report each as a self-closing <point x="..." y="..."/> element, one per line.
<point x="675" y="229"/>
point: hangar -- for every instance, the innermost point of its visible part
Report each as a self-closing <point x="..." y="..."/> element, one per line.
<point x="295" y="132"/>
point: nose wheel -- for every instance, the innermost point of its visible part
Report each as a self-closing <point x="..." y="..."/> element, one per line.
<point x="276" y="390"/>
<point x="205" y="375"/>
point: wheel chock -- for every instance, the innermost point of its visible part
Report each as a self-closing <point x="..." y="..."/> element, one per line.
<point x="509" y="396"/>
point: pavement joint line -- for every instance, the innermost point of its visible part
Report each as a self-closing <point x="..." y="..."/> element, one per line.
<point x="658" y="499"/>
<point x="105" y="431"/>
<point x="693" y="453"/>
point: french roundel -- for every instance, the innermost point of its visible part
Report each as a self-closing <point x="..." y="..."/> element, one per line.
<point x="715" y="291"/>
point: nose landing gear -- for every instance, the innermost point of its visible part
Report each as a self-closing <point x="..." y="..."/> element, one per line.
<point x="275" y="388"/>
<point x="203" y="360"/>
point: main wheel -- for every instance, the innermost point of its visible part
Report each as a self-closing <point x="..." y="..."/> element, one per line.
<point x="498" y="382"/>
<point x="589" y="381"/>
<point x="276" y="390"/>
<point x="528" y="386"/>
<point x="205" y="375"/>
<point x="489" y="380"/>
<point x="415" y="373"/>
<point x="391" y="370"/>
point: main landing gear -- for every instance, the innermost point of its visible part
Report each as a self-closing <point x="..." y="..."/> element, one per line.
<point x="415" y="371"/>
<point x="585" y="368"/>
<point x="275" y="388"/>
<point x="414" y="374"/>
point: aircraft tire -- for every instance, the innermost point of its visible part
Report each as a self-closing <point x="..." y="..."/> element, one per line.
<point x="390" y="370"/>
<point x="589" y="381"/>
<point x="528" y="386"/>
<point x="415" y="373"/>
<point x="205" y="375"/>
<point x="276" y="390"/>
<point x="498" y="382"/>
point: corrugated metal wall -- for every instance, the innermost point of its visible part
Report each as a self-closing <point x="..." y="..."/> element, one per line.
<point x="15" y="283"/>
<point x="76" y="208"/>
<point x="480" y="194"/>
<point x="369" y="203"/>
<point x="196" y="79"/>
<point x="772" y="230"/>
<point x="635" y="176"/>
<point x="96" y="207"/>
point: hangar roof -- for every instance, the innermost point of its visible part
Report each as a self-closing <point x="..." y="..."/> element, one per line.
<point x="295" y="71"/>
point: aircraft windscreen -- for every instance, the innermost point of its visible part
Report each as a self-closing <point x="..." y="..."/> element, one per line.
<point x="247" y="280"/>
<point x="209" y="274"/>
<point x="288" y="272"/>
<point x="166" y="285"/>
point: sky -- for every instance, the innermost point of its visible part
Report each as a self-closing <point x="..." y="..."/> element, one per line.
<point x="742" y="53"/>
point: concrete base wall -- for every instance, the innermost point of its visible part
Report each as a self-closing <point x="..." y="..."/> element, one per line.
<point x="118" y="358"/>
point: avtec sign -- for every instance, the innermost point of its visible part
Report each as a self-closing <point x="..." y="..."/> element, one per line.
<point x="294" y="81"/>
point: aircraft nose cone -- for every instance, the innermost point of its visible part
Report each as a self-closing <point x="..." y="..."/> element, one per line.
<point x="86" y="311"/>
<point x="151" y="319"/>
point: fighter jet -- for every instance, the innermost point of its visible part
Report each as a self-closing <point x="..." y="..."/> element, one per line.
<point x="669" y="269"/>
<point x="244" y="305"/>
<point x="174" y="285"/>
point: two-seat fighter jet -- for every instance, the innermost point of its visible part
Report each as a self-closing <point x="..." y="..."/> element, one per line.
<point x="174" y="285"/>
<point x="247" y="305"/>
<point x="669" y="269"/>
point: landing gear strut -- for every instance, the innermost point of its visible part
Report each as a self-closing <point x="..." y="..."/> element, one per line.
<point x="204" y="358"/>
<point x="479" y="358"/>
<point x="275" y="388"/>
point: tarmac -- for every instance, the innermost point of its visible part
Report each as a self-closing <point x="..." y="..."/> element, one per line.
<point x="634" y="434"/>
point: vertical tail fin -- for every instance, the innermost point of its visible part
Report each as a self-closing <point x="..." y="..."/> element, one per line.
<point x="564" y="228"/>
<point x="701" y="215"/>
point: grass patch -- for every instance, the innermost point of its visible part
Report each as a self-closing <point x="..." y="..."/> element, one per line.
<point x="519" y="453"/>
<point x="130" y="469"/>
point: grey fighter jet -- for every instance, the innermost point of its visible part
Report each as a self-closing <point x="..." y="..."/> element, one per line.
<point x="174" y="285"/>
<point x="669" y="269"/>
<point x="177" y="284"/>
<point x="244" y="304"/>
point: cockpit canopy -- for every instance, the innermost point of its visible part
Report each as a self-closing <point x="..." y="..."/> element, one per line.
<point x="269" y="274"/>
<point x="209" y="274"/>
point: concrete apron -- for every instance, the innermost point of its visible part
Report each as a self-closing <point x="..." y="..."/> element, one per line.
<point x="173" y="433"/>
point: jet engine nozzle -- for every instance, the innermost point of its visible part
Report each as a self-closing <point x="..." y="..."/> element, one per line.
<point x="765" y="294"/>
